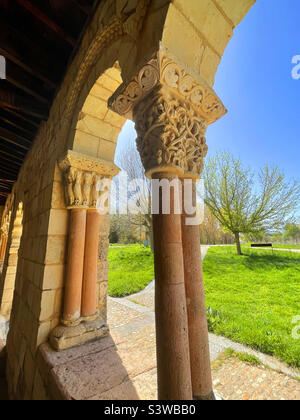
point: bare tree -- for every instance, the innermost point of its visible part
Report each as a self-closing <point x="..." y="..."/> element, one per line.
<point x="244" y="206"/>
<point x="140" y="192"/>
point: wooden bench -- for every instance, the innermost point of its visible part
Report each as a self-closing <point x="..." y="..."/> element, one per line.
<point x="261" y="245"/>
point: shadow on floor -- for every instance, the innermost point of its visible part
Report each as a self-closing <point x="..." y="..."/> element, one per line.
<point x="92" y="371"/>
<point x="3" y="384"/>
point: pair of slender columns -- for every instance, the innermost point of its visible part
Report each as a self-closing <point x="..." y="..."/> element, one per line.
<point x="183" y="360"/>
<point x="3" y="248"/>
<point x="80" y="302"/>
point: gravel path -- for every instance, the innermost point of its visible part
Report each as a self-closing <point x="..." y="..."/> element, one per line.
<point x="297" y="251"/>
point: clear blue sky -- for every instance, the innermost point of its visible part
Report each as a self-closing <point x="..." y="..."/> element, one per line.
<point x="255" y="83"/>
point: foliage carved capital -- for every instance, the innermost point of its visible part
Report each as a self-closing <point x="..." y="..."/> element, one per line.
<point x="164" y="71"/>
<point x="5" y="226"/>
<point x="171" y="109"/>
<point x="85" y="179"/>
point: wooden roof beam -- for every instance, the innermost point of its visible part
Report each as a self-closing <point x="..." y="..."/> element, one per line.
<point x="14" y="45"/>
<point x="22" y="117"/>
<point x="9" y="99"/>
<point x="8" y="138"/>
<point x="10" y="158"/>
<point x="17" y="126"/>
<point x="38" y="14"/>
<point x="24" y="81"/>
<point x="83" y="6"/>
<point x="8" y="170"/>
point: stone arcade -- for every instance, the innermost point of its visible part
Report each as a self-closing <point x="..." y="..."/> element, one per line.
<point x="153" y="62"/>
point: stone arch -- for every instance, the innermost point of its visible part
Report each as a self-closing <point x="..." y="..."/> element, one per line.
<point x="93" y="128"/>
<point x="130" y="33"/>
<point x="98" y="127"/>
<point x="208" y="25"/>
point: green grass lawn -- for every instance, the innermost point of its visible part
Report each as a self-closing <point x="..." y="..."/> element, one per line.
<point x="119" y="245"/>
<point x="281" y="246"/>
<point x="286" y="246"/>
<point x="253" y="299"/>
<point x="131" y="269"/>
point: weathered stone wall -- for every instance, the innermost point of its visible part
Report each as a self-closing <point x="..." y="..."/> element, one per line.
<point x="122" y="35"/>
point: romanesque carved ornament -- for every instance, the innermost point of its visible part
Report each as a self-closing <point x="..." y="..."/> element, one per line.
<point x="5" y="226"/>
<point x="114" y="30"/>
<point x="85" y="179"/>
<point x="134" y="23"/>
<point x="171" y="109"/>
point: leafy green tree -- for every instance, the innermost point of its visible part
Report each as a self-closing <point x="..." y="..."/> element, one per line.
<point x="292" y="232"/>
<point x="243" y="205"/>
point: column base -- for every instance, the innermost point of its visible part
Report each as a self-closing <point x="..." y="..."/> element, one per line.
<point x="63" y="338"/>
<point x="211" y="397"/>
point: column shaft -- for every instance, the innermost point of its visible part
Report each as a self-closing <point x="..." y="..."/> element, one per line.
<point x="89" y="289"/>
<point x="73" y="288"/>
<point x="173" y="361"/>
<point x="196" y="308"/>
<point x="3" y="248"/>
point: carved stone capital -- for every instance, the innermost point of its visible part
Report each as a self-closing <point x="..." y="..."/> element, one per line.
<point x="172" y="109"/>
<point x="171" y="135"/>
<point x="84" y="176"/>
<point x="5" y="226"/>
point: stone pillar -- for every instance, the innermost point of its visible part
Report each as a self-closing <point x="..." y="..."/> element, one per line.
<point x="170" y="301"/>
<point x="84" y="179"/>
<point x="4" y="236"/>
<point x="89" y="290"/>
<point x="3" y="247"/>
<point x="103" y="266"/>
<point x="73" y="287"/>
<point x="194" y="286"/>
<point x="171" y="109"/>
<point x="10" y="251"/>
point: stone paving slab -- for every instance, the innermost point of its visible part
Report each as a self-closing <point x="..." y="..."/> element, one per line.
<point x="113" y="369"/>
<point x="144" y="385"/>
<point x="122" y="366"/>
<point x="235" y="380"/>
<point x="146" y="300"/>
<point x="122" y="314"/>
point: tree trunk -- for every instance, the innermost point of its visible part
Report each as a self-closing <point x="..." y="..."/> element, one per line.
<point x="238" y="243"/>
<point x="151" y="241"/>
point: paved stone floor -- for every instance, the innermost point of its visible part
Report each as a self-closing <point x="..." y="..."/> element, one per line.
<point x="3" y="386"/>
<point x="233" y="380"/>
<point x="123" y="365"/>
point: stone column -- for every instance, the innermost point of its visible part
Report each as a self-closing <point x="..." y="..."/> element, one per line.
<point x="194" y="286"/>
<point x="73" y="288"/>
<point x="4" y="236"/>
<point x="12" y="239"/>
<point x="81" y="322"/>
<point x="3" y="247"/>
<point x="170" y="301"/>
<point x="89" y="290"/>
<point x="171" y="109"/>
